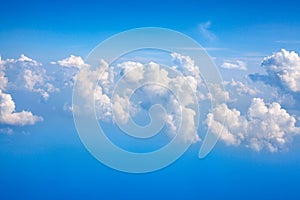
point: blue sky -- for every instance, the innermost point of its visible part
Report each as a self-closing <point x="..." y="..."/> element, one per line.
<point x="255" y="45"/>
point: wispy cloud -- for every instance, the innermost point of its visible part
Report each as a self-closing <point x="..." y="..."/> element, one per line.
<point x="204" y="30"/>
<point x="288" y="41"/>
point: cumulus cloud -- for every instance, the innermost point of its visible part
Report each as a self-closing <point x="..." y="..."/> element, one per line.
<point x="233" y="130"/>
<point x="72" y="61"/>
<point x="239" y="65"/>
<point x="240" y="88"/>
<point x="121" y="108"/>
<point x="264" y="126"/>
<point x="36" y="81"/>
<point x="98" y="83"/>
<point x="11" y="117"/>
<point x="26" y="61"/>
<point x="70" y="67"/>
<point x="284" y="66"/>
<point x="283" y="71"/>
<point x="218" y="94"/>
<point x="32" y="78"/>
<point x="28" y="74"/>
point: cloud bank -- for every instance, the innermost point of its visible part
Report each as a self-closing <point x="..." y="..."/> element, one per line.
<point x="264" y="126"/>
<point x="120" y="108"/>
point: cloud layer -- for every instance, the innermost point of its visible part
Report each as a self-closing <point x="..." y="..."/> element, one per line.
<point x="263" y="125"/>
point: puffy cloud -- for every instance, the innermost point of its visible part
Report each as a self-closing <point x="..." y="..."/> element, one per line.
<point x="26" y="61"/>
<point x="70" y="67"/>
<point x="119" y="106"/>
<point x="11" y="117"/>
<point x="283" y="69"/>
<point x="87" y="80"/>
<point x="263" y="126"/>
<point x="233" y="129"/>
<point x="72" y="61"/>
<point x="240" y="88"/>
<point x="239" y="65"/>
<point x="185" y="65"/>
<point x="284" y="66"/>
<point x="26" y="73"/>
<point x="32" y="78"/>
<point x="35" y="81"/>
<point x="275" y="126"/>
<point x="137" y="75"/>
<point x="218" y="94"/>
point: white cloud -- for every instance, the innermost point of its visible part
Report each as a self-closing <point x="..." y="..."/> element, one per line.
<point x="37" y="81"/>
<point x="26" y="61"/>
<point x="3" y="80"/>
<point x="241" y="88"/>
<point x="264" y="126"/>
<point x="120" y="108"/>
<point x="239" y="65"/>
<point x="28" y="74"/>
<point x="32" y="79"/>
<point x="137" y="74"/>
<point x="11" y="117"/>
<point x="283" y="69"/>
<point x="234" y="127"/>
<point x="87" y="80"/>
<point x="185" y="65"/>
<point x="191" y="72"/>
<point x="70" y="67"/>
<point x="72" y="61"/>
<point x="218" y="94"/>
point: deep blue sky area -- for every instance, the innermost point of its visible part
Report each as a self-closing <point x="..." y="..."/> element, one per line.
<point x="90" y="16"/>
<point x="48" y="161"/>
<point x="53" y="28"/>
